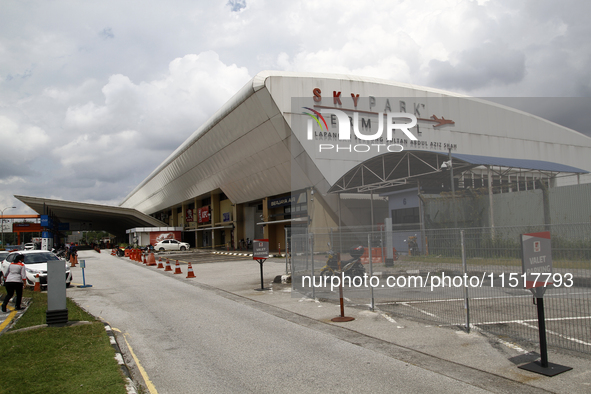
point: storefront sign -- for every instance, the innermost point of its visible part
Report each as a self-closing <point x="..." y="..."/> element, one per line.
<point x="158" y="236"/>
<point x="204" y="215"/>
<point x="189" y="216"/>
<point x="26" y="227"/>
<point x="282" y="201"/>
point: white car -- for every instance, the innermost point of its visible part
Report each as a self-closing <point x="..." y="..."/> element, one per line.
<point x="171" y="244"/>
<point x="35" y="264"/>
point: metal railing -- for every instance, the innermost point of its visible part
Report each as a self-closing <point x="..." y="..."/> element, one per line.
<point x="466" y="277"/>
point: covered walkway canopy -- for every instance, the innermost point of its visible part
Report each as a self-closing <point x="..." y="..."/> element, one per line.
<point x="91" y="217"/>
<point x="403" y="170"/>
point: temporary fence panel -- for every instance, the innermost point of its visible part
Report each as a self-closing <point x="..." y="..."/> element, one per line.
<point x="428" y="280"/>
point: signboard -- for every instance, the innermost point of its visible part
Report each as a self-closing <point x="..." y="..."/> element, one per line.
<point x="26" y="227"/>
<point x="226" y="217"/>
<point x="286" y="200"/>
<point x="6" y="226"/>
<point x="189" y="216"/>
<point x="536" y="261"/>
<point x="281" y="201"/>
<point x="46" y="221"/>
<point x="157" y="236"/>
<point x="203" y="215"/>
<point x="260" y="249"/>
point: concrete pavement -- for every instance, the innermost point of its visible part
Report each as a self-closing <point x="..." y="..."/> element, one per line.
<point x="476" y="358"/>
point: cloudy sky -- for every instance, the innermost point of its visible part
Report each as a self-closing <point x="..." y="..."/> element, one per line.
<point x="94" y="95"/>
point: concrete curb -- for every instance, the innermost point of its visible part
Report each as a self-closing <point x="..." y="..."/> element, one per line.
<point x="130" y="386"/>
<point x="271" y="255"/>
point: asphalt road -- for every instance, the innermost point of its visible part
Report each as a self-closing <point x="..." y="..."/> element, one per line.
<point x="190" y="339"/>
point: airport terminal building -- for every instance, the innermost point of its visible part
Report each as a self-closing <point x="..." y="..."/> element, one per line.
<point x="319" y="151"/>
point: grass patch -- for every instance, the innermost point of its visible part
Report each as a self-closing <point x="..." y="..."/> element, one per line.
<point x="45" y="360"/>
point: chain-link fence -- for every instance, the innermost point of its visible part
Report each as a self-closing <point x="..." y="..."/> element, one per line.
<point x="423" y="276"/>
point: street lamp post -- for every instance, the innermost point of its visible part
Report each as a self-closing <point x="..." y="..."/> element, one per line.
<point x="2" y="223"/>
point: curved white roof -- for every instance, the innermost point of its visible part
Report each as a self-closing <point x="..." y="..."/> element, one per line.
<point x="246" y="148"/>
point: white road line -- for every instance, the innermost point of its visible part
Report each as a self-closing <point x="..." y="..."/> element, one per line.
<point x="557" y="334"/>
<point x="519" y="321"/>
<point x="510" y="345"/>
<point x="389" y="318"/>
<point x="420" y="310"/>
<point x="473" y="298"/>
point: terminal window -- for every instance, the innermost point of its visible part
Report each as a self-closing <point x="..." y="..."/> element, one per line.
<point x="405" y="216"/>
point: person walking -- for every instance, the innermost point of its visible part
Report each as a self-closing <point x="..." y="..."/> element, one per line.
<point x="16" y="277"/>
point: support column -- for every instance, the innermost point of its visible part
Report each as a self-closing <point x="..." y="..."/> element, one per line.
<point x="546" y="202"/>
<point x="490" y="198"/>
<point x="265" y="217"/>
<point x="175" y="217"/>
<point x="371" y="209"/>
<point x="215" y="218"/>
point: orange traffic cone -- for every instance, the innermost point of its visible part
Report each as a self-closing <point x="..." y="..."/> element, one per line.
<point x="151" y="259"/>
<point x="160" y="263"/>
<point x="190" y="273"/>
<point x="145" y="260"/>
<point x="73" y="260"/>
<point x="168" y="267"/>
<point x="37" y="284"/>
<point x="177" y="268"/>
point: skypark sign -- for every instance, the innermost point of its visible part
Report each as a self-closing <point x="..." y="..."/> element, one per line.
<point x="405" y="121"/>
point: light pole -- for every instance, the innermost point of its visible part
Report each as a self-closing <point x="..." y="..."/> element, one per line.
<point x="2" y="223"/>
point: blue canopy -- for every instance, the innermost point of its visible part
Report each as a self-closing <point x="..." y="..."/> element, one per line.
<point x="517" y="163"/>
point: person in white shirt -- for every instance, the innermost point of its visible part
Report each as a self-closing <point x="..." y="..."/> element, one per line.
<point x="16" y="277"/>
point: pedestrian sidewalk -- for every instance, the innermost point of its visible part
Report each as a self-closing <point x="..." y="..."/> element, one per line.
<point x="480" y="351"/>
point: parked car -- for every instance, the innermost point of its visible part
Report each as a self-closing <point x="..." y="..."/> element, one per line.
<point x="35" y="264"/>
<point x="171" y="244"/>
<point x="30" y="246"/>
<point x="3" y="254"/>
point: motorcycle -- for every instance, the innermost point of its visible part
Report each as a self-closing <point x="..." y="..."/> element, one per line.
<point x="413" y="246"/>
<point x="351" y="268"/>
<point x="61" y="253"/>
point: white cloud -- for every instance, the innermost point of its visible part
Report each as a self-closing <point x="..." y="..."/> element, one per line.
<point x="193" y="89"/>
<point x="21" y="142"/>
<point x="94" y="95"/>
